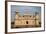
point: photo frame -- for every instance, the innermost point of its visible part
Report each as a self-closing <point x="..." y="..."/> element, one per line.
<point x="8" y="17"/>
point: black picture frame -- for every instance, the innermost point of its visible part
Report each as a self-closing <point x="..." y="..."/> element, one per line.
<point x="22" y="2"/>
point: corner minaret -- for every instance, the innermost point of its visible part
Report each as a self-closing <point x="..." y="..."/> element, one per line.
<point x="16" y="14"/>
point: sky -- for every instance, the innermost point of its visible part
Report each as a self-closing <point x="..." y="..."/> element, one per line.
<point x="30" y="9"/>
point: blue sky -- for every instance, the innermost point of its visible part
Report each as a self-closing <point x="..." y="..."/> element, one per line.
<point x="21" y="9"/>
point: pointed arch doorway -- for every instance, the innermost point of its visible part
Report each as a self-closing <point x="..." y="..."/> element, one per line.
<point x="26" y="22"/>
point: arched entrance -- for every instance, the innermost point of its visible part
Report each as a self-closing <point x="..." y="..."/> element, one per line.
<point x="26" y="22"/>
